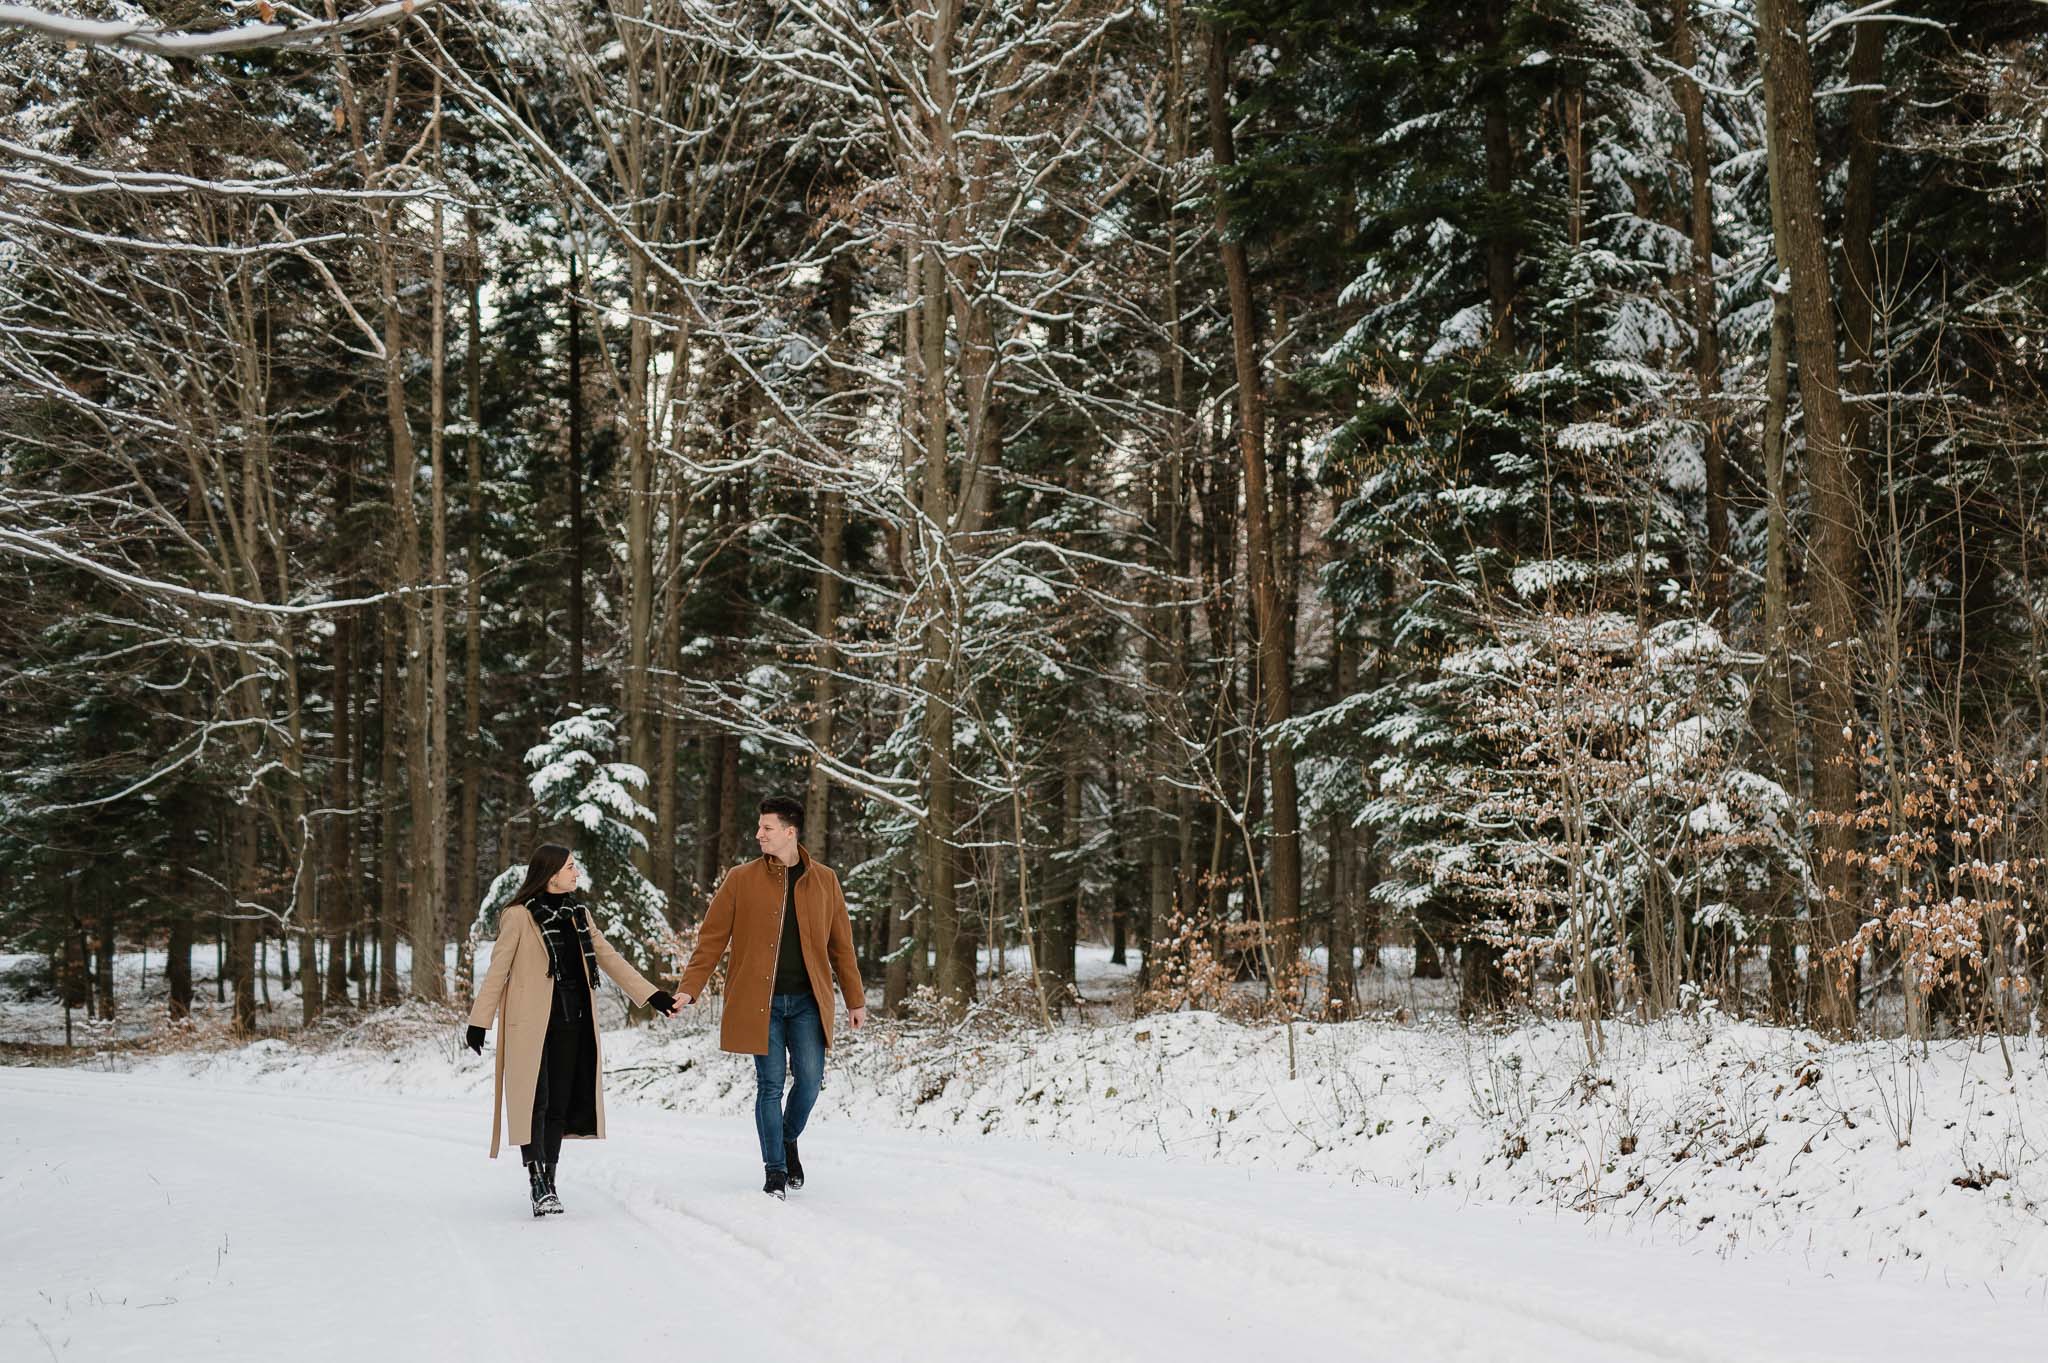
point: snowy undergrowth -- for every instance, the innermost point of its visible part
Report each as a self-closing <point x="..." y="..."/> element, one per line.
<point x="1722" y="1134"/>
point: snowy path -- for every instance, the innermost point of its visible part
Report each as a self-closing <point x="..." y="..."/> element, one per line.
<point x="175" y="1221"/>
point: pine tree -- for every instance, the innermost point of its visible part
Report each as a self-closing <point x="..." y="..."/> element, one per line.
<point x="576" y="785"/>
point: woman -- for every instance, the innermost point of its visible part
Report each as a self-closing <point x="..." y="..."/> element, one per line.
<point x="541" y="985"/>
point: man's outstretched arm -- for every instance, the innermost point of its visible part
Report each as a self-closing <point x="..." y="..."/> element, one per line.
<point x="712" y="939"/>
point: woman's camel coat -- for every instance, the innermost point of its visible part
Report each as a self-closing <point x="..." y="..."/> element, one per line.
<point x="518" y="990"/>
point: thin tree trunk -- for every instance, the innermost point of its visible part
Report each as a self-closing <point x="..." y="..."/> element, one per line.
<point x="832" y="558"/>
<point x="431" y="892"/>
<point x="1780" y="716"/>
<point x="241" y="926"/>
<point x="1275" y="683"/>
<point x="360" y="644"/>
<point x="954" y="976"/>
<point x="467" y="890"/>
<point x="388" y="887"/>
<point x="709" y="856"/>
<point x="1498" y="142"/>
<point x="1859" y="220"/>
<point x="668" y="743"/>
<point x="73" y="975"/>
<point x="729" y="832"/>
<point x="907" y="966"/>
<point x="667" y="803"/>
<point x="1706" y="342"/>
<point x="576" y="537"/>
<point x="1064" y="929"/>
<point x="178" y="952"/>
<point x="103" y="956"/>
<point x="1342" y="973"/>
<point x="338" y="904"/>
<point x="634" y="688"/>
<point x="896" y="985"/>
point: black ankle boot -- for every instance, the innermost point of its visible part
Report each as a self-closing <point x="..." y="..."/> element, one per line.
<point x="537" y="1185"/>
<point x="795" y="1165"/>
<point x="776" y="1184"/>
<point x="552" y="1204"/>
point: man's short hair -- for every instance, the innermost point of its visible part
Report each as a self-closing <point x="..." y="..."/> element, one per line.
<point x="788" y="808"/>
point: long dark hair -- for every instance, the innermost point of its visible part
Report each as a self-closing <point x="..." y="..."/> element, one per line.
<point x="546" y="862"/>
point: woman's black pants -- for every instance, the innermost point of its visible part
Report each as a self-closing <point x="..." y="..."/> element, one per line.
<point x="568" y="1067"/>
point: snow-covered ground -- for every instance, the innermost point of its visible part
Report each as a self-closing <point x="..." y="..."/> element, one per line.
<point x="1711" y="1135"/>
<point x="171" y="1218"/>
<point x="1699" y="1141"/>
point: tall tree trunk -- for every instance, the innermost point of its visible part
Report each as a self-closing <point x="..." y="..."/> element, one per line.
<point x="1859" y="224"/>
<point x="639" y="534"/>
<point x="1832" y="566"/>
<point x="389" y="893"/>
<point x="908" y="966"/>
<point x="306" y="864"/>
<point x="1781" y="718"/>
<point x="1706" y="356"/>
<point x="667" y="792"/>
<point x="953" y="976"/>
<point x="468" y="895"/>
<point x="1497" y="137"/>
<point x="1063" y="911"/>
<point x="407" y="718"/>
<point x="338" y="901"/>
<point x="1342" y="973"/>
<point x="832" y="559"/>
<point x="431" y="892"/>
<point x="1283" y="904"/>
<point x="1179" y="636"/>
<point x="576" y="536"/>
<point x="668" y="743"/>
<point x="366" y="629"/>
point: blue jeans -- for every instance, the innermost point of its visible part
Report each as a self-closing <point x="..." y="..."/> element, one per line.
<point x="794" y="1027"/>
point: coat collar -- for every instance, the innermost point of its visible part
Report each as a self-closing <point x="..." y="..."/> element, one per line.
<point x="777" y="869"/>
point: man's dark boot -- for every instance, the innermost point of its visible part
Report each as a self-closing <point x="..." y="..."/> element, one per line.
<point x="537" y="1184"/>
<point x="777" y="1183"/>
<point x="552" y="1203"/>
<point x="796" y="1166"/>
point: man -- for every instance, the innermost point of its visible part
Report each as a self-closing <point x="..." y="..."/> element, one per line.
<point x="786" y="922"/>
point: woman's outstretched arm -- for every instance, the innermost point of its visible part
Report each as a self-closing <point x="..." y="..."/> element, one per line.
<point x="621" y="970"/>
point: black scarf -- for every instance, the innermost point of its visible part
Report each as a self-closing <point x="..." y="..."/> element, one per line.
<point x="556" y="915"/>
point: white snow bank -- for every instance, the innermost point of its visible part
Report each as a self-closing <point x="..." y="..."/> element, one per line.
<point x="1725" y="1135"/>
<point x="227" y="1220"/>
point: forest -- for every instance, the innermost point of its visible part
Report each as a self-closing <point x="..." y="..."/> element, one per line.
<point x="1550" y="487"/>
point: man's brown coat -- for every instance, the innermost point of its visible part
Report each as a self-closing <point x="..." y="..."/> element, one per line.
<point x="746" y="914"/>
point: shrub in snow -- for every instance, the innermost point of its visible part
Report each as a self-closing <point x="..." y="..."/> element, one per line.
<point x="1596" y="809"/>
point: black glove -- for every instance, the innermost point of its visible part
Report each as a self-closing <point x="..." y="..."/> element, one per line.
<point x="661" y="1001"/>
<point x="474" y="1039"/>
